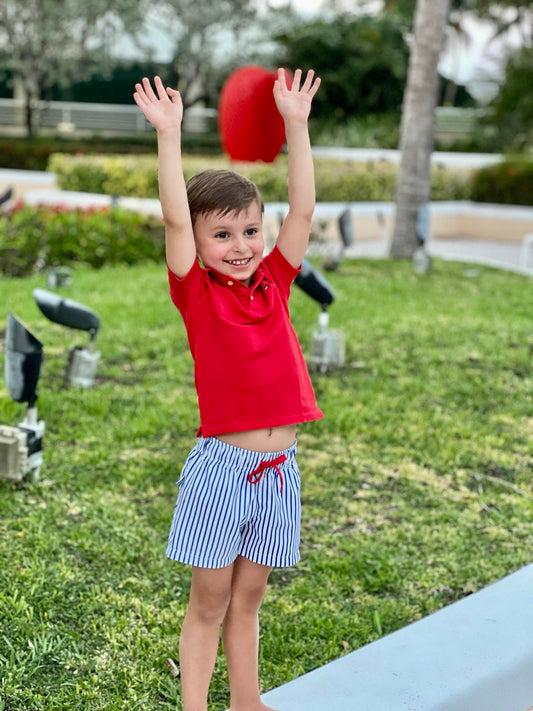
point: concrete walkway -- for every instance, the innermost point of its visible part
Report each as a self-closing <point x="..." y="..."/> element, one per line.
<point x="448" y="159"/>
<point x="501" y="255"/>
<point x="474" y="655"/>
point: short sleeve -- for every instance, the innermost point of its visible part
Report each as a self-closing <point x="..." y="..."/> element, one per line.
<point x="187" y="289"/>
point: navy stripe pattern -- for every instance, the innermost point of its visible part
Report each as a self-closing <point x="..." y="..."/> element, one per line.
<point x="220" y="515"/>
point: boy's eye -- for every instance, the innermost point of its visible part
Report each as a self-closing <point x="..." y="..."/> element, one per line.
<point x="251" y="232"/>
<point x="221" y="235"/>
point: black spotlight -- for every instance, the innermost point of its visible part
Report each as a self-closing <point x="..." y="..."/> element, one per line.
<point x="328" y="350"/>
<point x="21" y="446"/>
<point x="82" y="362"/>
<point x="347" y="234"/>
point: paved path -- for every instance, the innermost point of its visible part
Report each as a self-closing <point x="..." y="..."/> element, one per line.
<point x="503" y="255"/>
<point x="448" y="159"/>
<point x="474" y="655"/>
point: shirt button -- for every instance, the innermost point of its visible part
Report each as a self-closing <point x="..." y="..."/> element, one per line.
<point x="251" y="298"/>
<point x="230" y="283"/>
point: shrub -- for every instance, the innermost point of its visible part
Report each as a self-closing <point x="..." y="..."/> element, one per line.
<point x="111" y="175"/>
<point x="450" y="184"/>
<point x="34" y="154"/>
<point x="33" y="239"/>
<point x="336" y="181"/>
<point x="511" y="111"/>
<point x="510" y="182"/>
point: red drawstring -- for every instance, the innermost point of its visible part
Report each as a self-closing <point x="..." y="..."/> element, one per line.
<point x="257" y="474"/>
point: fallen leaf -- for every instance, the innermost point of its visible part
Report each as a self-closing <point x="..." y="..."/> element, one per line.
<point x="173" y="667"/>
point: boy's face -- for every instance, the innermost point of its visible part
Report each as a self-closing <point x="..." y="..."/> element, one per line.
<point x="233" y="243"/>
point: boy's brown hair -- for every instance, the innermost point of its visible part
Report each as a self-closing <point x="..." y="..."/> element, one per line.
<point x="222" y="192"/>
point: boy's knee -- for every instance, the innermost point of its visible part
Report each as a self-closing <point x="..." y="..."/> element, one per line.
<point x="210" y="606"/>
<point x="248" y="598"/>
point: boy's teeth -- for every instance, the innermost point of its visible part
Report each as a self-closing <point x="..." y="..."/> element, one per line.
<point x="238" y="261"/>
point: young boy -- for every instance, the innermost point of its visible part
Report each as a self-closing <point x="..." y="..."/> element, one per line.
<point x="238" y="508"/>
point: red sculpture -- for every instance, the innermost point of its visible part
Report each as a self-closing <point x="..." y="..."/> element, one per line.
<point x="249" y="123"/>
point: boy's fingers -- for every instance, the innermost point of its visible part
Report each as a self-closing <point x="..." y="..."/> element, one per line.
<point x="296" y="80"/>
<point x="138" y="99"/>
<point x="282" y="78"/>
<point x="139" y="95"/>
<point x="148" y="89"/>
<point x="308" y="80"/>
<point x="312" y="91"/>
<point x="162" y="94"/>
<point x="174" y="95"/>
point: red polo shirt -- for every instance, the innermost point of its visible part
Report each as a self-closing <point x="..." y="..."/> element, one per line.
<point x="249" y="369"/>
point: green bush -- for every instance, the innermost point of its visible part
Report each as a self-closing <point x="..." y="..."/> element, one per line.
<point x="450" y="184"/>
<point x="33" y="239"/>
<point x="510" y="113"/>
<point x="336" y="181"/>
<point x="17" y="154"/>
<point x="111" y="175"/>
<point x="510" y="182"/>
<point x="34" y="154"/>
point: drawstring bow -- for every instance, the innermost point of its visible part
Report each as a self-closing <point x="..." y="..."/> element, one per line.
<point x="257" y="474"/>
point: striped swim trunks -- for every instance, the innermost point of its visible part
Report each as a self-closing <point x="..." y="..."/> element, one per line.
<point x="233" y="502"/>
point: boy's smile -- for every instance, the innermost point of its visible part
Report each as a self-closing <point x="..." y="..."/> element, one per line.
<point x="231" y="244"/>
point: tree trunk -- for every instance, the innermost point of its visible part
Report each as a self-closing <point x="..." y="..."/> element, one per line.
<point x="28" y="116"/>
<point x="417" y="129"/>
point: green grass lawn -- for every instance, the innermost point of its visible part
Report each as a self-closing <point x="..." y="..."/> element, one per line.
<point x="416" y="486"/>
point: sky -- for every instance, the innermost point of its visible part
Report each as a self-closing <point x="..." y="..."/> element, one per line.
<point x="476" y="59"/>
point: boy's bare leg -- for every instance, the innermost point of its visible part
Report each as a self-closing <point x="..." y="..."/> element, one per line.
<point x="240" y="634"/>
<point x="208" y="603"/>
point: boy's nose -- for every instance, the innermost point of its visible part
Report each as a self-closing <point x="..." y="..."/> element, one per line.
<point x="240" y="244"/>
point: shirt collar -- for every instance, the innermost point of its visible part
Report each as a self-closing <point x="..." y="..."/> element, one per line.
<point x="225" y="280"/>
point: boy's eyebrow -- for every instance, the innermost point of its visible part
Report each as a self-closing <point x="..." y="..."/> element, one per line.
<point x="221" y="223"/>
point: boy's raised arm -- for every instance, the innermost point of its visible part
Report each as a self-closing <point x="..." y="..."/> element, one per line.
<point x="164" y="109"/>
<point x="294" y="105"/>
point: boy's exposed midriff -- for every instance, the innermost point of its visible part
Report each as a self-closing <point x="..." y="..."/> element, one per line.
<point x="271" y="439"/>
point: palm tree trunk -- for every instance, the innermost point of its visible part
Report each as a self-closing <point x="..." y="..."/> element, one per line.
<point x="418" y="123"/>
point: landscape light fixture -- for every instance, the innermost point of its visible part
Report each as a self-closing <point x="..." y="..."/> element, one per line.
<point x="59" y="277"/>
<point x="347" y="239"/>
<point x="327" y="349"/>
<point x="21" y="446"/>
<point x="6" y="200"/>
<point x="82" y="362"/>
<point x="421" y="259"/>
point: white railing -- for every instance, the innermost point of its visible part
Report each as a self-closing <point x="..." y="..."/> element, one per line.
<point x="71" y="116"/>
<point x="456" y="122"/>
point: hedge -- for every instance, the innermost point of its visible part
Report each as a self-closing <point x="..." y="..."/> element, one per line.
<point x="34" y="239"/>
<point x="510" y="183"/>
<point x="336" y="181"/>
<point x="34" y="153"/>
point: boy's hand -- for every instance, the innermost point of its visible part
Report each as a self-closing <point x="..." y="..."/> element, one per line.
<point x="164" y="110"/>
<point x="294" y="104"/>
